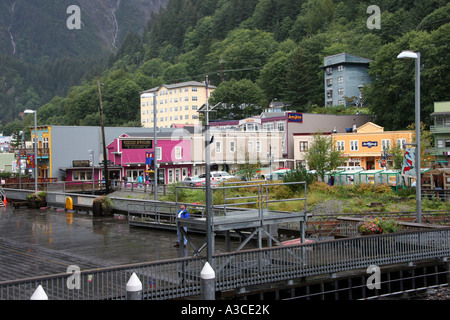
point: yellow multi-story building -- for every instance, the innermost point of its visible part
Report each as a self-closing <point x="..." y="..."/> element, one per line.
<point x="176" y="104"/>
<point x="368" y="146"/>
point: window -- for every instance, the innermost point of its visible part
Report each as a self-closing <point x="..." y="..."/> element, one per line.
<point x="354" y="145"/>
<point x="340" y="79"/>
<point x="250" y="146"/>
<point x="194" y="107"/>
<point x="440" y="143"/>
<point x="401" y="143"/>
<point x="218" y="146"/>
<point x="194" y="98"/>
<point x="329" y="70"/>
<point x="280" y="126"/>
<point x="340" y="145"/>
<point x="341" y="91"/>
<point x="178" y="153"/>
<point x="447" y="143"/>
<point x="341" y="102"/>
<point x="258" y="146"/>
<point x="329" y="81"/>
<point x="82" y="175"/>
<point x="329" y="94"/>
<point x="268" y="126"/>
<point x="303" y="146"/>
<point x="194" y="89"/>
<point x="232" y="146"/>
<point x="340" y="67"/>
<point x="385" y="144"/>
<point x="158" y="153"/>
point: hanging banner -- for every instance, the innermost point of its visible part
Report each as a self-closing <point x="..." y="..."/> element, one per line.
<point x="30" y="161"/>
<point x="409" y="162"/>
<point x="149" y="162"/>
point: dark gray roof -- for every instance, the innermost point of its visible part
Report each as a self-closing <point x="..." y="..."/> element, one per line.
<point x="344" y="57"/>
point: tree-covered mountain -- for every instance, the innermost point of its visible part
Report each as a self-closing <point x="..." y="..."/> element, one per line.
<point x="41" y="55"/>
<point x="256" y="51"/>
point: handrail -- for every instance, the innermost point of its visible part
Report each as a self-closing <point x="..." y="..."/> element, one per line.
<point x="176" y="278"/>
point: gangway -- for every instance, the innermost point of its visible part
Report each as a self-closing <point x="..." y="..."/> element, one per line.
<point x="250" y="213"/>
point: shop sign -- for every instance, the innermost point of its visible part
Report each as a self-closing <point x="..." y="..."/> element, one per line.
<point x="295" y="117"/>
<point x="80" y="163"/>
<point x="370" y="144"/>
<point x="137" y="144"/>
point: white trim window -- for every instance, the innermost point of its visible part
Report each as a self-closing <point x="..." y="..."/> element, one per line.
<point x="385" y="144"/>
<point x="218" y="146"/>
<point x="178" y="153"/>
<point x="232" y="146"/>
<point x="354" y="146"/>
<point x="401" y="143"/>
<point x="340" y="145"/>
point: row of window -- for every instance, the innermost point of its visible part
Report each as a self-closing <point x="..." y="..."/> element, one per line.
<point x="441" y="143"/>
<point x="270" y="126"/>
<point x="251" y="146"/>
<point x="329" y="70"/>
<point x="172" y="118"/>
<point x="179" y="90"/>
<point x="171" y="109"/>
<point x="165" y="101"/>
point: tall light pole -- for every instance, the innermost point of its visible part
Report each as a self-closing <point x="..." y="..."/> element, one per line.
<point x="35" y="146"/>
<point x="105" y="156"/>
<point x="407" y="54"/>
<point x="155" y="146"/>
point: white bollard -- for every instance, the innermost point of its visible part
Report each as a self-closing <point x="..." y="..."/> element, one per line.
<point x="39" y="294"/>
<point x="134" y="288"/>
<point x="207" y="285"/>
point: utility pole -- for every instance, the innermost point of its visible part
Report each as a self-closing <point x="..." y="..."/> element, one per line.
<point x="207" y="142"/>
<point x="105" y="162"/>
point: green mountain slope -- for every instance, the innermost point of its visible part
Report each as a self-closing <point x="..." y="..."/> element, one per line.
<point x="268" y="49"/>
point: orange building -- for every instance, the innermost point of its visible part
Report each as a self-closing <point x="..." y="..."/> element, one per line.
<point x="368" y="146"/>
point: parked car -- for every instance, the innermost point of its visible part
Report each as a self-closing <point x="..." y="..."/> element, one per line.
<point x="192" y="181"/>
<point x="221" y="175"/>
<point x="214" y="183"/>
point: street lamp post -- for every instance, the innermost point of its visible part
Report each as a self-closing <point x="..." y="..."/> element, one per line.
<point x="155" y="146"/>
<point x="35" y="147"/>
<point x="407" y="54"/>
<point x="105" y="156"/>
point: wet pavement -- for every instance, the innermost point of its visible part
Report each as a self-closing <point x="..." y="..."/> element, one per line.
<point x="47" y="241"/>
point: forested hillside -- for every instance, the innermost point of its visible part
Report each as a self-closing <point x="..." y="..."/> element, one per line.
<point x="41" y="57"/>
<point x="256" y="51"/>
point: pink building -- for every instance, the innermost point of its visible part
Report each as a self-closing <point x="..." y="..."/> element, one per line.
<point x="128" y="154"/>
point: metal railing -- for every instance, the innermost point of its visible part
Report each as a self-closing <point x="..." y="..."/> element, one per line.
<point x="179" y="278"/>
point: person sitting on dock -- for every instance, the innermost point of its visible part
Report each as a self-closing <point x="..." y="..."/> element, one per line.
<point x="183" y="213"/>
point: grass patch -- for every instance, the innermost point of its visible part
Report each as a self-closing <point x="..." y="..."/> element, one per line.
<point x="355" y="198"/>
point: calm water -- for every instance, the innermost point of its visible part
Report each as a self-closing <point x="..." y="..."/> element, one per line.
<point x="36" y="242"/>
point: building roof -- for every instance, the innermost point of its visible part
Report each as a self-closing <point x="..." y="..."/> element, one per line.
<point x="180" y="85"/>
<point x="344" y="58"/>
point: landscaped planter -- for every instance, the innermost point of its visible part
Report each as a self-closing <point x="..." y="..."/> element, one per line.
<point x="37" y="200"/>
<point x="102" y="206"/>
